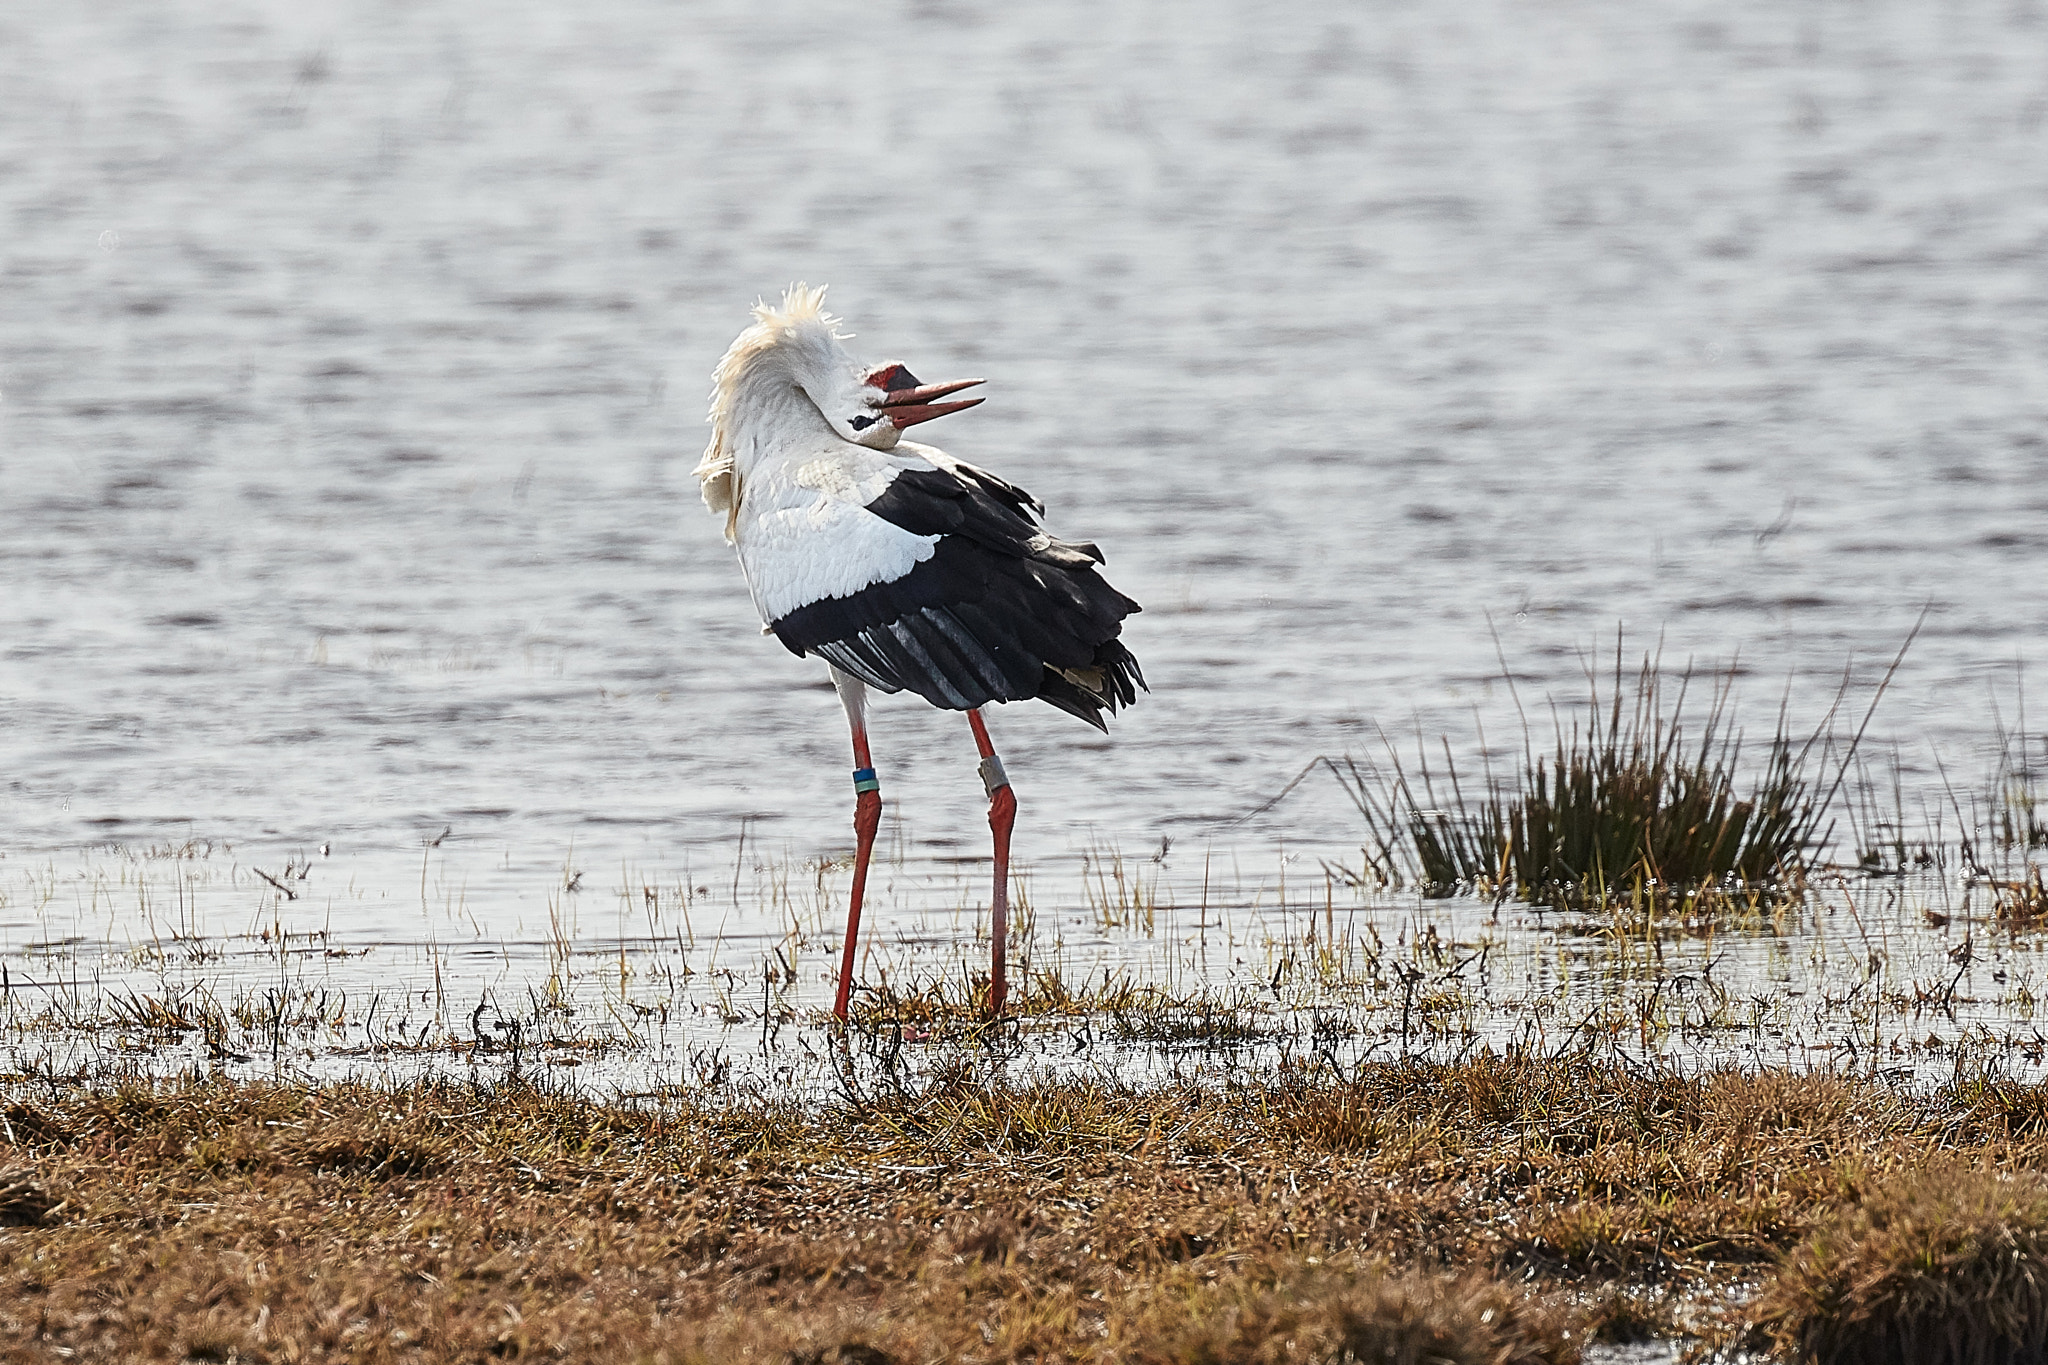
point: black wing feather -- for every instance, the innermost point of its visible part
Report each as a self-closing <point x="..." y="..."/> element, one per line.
<point x="1000" y="612"/>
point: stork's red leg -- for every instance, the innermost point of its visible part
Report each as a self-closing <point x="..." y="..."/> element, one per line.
<point x="867" y="817"/>
<point x="1002" y="813"/>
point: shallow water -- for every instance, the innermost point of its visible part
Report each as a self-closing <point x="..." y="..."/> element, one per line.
<point x="1123" y="970"/>
<point x="351" y="371"/>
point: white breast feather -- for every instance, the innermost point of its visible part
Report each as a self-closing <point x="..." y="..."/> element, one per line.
<point x="805" y="534"/>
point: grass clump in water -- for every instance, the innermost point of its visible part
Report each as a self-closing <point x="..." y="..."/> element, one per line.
<point x="1639" y="796"/>
<point x="1951" y="1266"/>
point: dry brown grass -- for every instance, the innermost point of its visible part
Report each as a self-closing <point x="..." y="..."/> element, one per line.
<point x="1499" y="1210"/>
<point x="1949" y="1266"/>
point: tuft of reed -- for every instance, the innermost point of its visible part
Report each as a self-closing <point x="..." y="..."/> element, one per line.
<point x="2019" y="813"/>
<point x="1641" y="797"/>
<point x="1948" y="1265"/>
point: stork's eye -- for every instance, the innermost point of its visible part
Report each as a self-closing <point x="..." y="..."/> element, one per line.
<point x="860" y="423"/>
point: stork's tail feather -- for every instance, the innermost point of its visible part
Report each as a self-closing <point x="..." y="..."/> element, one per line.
<point x="1113" y="680"/>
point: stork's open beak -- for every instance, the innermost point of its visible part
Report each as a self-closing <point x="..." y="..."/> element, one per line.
<point x="905" y="402"/>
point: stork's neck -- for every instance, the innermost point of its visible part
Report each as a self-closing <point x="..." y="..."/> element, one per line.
<point x="772" y="418"/>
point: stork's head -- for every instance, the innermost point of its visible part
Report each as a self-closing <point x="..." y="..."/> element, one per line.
<point x="891" y="399"/>
<point x="790" y="369"/>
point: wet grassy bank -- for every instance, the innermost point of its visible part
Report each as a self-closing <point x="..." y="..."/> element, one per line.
<point x="1502" y="1208"/>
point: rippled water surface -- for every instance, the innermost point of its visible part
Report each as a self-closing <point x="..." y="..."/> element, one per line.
<point x="352" y="363"/>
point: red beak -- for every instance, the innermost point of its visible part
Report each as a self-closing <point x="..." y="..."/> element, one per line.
<point x="907" y="402"/>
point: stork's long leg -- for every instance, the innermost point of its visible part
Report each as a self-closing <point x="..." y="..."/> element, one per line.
<point x="867" y="818"/>
<point x="1002" y="813"/>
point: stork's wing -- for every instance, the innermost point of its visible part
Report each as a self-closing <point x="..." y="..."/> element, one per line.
<point x="1001" y="611"/>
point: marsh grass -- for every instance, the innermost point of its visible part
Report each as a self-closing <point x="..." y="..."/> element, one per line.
<point x="1504" y="1208"/>
<point x="1319" y="1314"/>
<point x="1887" y="841"/>
<point x="1942" y="1265"/>
<point x="1209" y="1023"/>
<point x="1640" y="797"/>
<point x="2019" y="814"/>
<point x="1126" y="1009"/>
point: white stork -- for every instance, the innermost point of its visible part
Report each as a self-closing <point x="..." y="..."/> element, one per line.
<point x="899" y="565"/>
